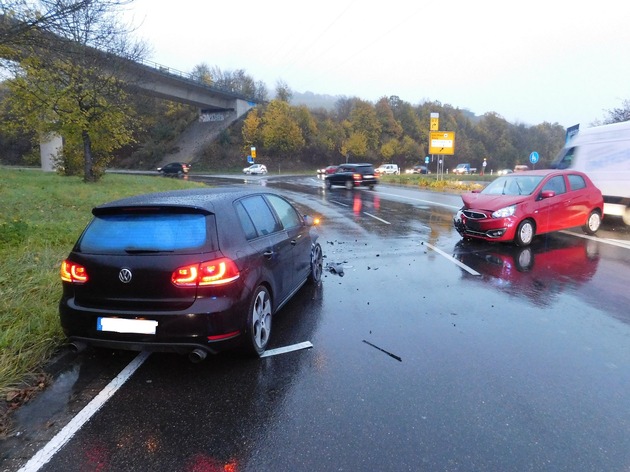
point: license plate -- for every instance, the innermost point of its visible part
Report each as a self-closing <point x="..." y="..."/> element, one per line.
<point x="123" y="325"/>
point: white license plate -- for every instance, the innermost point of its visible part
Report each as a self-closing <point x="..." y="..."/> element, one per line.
<point x="122" y="325"/>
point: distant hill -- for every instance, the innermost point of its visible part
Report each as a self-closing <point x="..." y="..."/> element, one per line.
<point x="314" y="101"/>
<point x="327" y="102"/>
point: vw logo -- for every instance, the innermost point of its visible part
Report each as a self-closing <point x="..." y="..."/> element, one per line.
<point x="125" y="276"/>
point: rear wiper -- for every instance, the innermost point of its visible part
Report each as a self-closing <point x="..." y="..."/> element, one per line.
<point x="147" y="250"/>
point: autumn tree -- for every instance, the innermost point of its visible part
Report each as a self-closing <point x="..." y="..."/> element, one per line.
<point x="280" y="131"/>
<point x="251" y="129"/>
<point x="75" y="85"/>
<point x="365" y="122"/>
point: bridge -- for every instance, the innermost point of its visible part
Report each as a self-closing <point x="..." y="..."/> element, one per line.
<point x="216" y="105"/>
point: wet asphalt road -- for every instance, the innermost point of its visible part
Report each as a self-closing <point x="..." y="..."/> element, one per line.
<point x="428" y="355"/>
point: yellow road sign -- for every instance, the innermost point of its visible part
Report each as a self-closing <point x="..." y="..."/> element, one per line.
<point x="442" y="142"/>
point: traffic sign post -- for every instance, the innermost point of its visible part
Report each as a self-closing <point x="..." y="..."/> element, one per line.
<point x="533" y="158"/>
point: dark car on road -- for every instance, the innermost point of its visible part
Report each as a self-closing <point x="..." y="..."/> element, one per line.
<point x="174" y="169"/>
<point x="194" y="271"/>
<point x="352" y="175"/>
<point x="516" y="207"/>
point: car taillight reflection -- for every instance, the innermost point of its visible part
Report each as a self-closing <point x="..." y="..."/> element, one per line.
<point x="73" y="272"/>
<point x="216" y="272"/>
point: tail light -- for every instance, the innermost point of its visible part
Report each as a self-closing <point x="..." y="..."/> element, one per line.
<point x="357" y="177"/>
<point x="216" y="272"/>
<point x="73" y="272"/>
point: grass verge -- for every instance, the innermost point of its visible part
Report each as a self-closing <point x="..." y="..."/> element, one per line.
<point x="42" y="216"/>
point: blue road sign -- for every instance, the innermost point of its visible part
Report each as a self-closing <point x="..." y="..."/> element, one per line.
<point x="426" y="160"/>
<point x="533" y="157"/>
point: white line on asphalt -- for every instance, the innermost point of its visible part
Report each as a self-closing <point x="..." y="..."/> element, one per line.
<point x="62" y="437"/>
<point x="431" y="202"/>
<point x="452" y="259"/>
<point x="285" y="349"/>
<point x="612" y="242"/>
<point x="339" y="203"/>
<point x="376" y="218"/>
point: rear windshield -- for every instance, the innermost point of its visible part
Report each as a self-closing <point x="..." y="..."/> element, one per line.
<point x="138" y="233"/>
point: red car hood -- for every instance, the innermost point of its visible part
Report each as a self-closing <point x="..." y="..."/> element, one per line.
<point x="480" y="201"/>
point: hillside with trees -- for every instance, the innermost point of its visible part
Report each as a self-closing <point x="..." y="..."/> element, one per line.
<point x="79" y="93"/>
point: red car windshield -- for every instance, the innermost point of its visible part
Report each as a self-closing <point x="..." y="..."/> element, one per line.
<point x="513" y="185"/>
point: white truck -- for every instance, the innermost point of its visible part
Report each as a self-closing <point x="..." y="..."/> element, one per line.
<point x="603" y="153"/>
<point x="464" y="168"/>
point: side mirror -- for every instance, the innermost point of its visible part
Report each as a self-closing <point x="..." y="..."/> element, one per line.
<point x="547" y="194"/>
<point x="311" y="221"/>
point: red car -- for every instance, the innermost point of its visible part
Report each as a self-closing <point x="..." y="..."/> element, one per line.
<point x="518" y="206"/>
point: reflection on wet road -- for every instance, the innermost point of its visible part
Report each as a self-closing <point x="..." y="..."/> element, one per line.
<point x="416" y="364"/>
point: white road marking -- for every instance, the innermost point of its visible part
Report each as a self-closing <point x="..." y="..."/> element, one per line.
<point x="452" y="259"/>
<point x="285" y="349"/>
<point x="376" y="218"/>
<point x="430" y="202"/>
<point x="612" y="242"/>
<point x="44" y="455"/>
<point x="339" y="203"/>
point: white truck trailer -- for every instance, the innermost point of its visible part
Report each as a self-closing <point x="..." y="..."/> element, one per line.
<point x="603" y="153"/>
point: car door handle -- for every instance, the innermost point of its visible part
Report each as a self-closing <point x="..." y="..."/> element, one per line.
<point x="293" y="242"/>
<point x="268" y="254"/>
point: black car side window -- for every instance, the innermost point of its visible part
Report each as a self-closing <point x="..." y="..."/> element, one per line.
<point x="261" y="215"/>
<point x="285" y="211"/>
<point x="246" y="221"/>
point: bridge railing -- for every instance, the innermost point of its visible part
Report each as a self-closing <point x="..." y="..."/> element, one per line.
<point x="187" y="76"/>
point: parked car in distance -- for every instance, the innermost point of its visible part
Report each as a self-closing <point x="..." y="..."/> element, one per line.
<point x="187" y="271"/>
<point x="352" y="175"/>
<point x="327" y="170"/>
<point x="464" y="168"/>
<point x="174" y="169"/>
<point x="387" y="169"/>
<point x="504" y="172"/>
<point x="520" y="168"/>
<point x="255" y="169"/>
<point x="518" y="206"/>
<point x="418" y="169"/>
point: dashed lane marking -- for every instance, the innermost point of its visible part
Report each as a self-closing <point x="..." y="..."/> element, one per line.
<point x="285" y="349"/>
<point x="452" y="259"/>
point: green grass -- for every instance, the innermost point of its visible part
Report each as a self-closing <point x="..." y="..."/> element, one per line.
<point x="41" y="217"/>
<point x="446" y="183"/>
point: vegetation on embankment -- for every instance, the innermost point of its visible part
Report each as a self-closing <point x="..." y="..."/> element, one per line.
<point x="42" y="216"/>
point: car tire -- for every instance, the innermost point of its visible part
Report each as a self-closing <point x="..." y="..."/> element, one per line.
<point x="259" y="321"/>
<point x="371" y="187"/>
<point x="593" y="222"/>
<point x="317" y="264"/>
<point x="525" y="233"/>
<point x="328" y="184"/>
<point x="349" y="184"/>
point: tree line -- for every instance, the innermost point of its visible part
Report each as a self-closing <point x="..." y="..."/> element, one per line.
<point x="64" y="56"/>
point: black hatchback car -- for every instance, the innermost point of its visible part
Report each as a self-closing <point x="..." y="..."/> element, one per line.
<point x="352" y="175"/>
<point x="193" y="271"/>
<point x="174" y="169"/>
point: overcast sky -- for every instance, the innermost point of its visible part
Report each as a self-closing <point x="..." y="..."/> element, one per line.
<point x="530" y="62"/>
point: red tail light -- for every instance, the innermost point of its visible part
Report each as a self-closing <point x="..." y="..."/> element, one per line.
<point x="73" y="272"/>
<point x="357" y="177"/>
<point x="217" y="272"/>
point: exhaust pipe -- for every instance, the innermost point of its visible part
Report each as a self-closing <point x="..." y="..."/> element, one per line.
<point x="197" y="356"/>
<point x="78" y="346"/>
